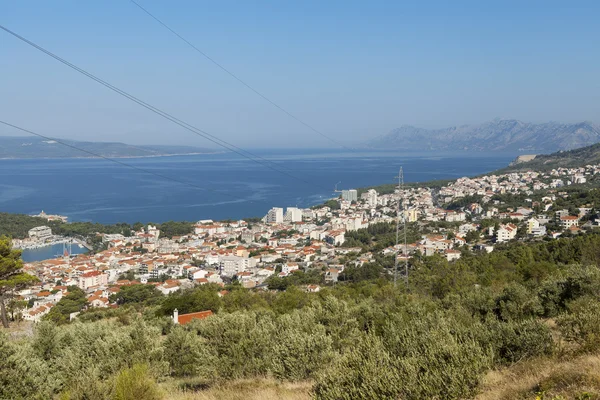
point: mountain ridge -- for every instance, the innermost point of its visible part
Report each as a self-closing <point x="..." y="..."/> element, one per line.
<point x="495" y="135"/>
<point x="588" y="155"/>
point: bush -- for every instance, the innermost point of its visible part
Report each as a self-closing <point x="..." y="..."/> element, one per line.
<point x="15" y="383"/>
<point x="136" y="383"/>
<point x="243" y="342"/>
<point x="515" y="341"/>
<point x="435" y="357"/>
<point x="517" y="303"/>
<point x="301" y="347"/>
<point x="582" y="324"/>
<point x="188" y="355"/>
<point x="365" y="371"/>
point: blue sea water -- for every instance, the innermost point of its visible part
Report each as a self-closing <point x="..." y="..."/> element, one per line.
<point x="219" y="186"/>
<point x="47" y="252"/>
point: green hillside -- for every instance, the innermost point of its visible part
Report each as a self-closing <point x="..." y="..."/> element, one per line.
<point x="572" y="158"/>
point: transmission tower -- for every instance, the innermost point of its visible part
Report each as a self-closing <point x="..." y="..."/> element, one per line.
<point x="398" y="221"/>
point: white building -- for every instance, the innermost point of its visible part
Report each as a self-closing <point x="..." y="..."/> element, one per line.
<point x="232" y="265"/>
<point x="350" y="195"/>
<point x="40" y="233"/>
<point x="568" y="221"/>
<point x="275" y="215"/>
<point x="92" y="279"/>
<point x="506" y="233"/>
<point x="532" y="225"/>
<point x="293" y="214"/>
<point x="372" y="198"/>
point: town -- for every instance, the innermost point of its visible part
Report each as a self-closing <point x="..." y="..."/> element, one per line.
<point x="470" y="213"/>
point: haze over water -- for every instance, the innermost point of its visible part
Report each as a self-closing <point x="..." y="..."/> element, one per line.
<point x="101" y="191"/>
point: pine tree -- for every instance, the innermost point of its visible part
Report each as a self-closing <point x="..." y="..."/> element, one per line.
<point x="12" y="276"/>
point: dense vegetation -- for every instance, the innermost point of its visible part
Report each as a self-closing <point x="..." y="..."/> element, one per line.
<point x="17" y="226"/>
<point x="570" y="158"/>
<point x="378" y="236"/>
<point x="362" y="338"/>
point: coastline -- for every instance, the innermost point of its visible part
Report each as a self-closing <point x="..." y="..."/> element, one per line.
<point x="35" y="246"/>
<point x="112" y="157"/>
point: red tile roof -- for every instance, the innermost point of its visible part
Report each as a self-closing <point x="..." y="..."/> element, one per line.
<point x="185" y="318"/>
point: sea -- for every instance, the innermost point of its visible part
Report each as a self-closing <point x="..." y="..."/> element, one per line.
<point x="215" y="186"/>
<point x="48" y="252"/>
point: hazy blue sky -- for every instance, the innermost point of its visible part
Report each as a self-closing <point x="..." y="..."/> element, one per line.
<point x="351" y="69"/>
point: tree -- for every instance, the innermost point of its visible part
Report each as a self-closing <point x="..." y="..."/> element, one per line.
<point x="136" y="294"/>
<point x="127" y="276"/>
<point x="12" y="276"/>
<point x="73" y="302"/>
<point x="15" y="307"/>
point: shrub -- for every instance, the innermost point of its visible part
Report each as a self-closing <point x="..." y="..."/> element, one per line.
<point x="517" y="303"/>
<point x="365" y="371"/>
<point x="243" y="342"/>
<point x="582" y="324"/>
<point x="136" y="383"/>
<point x="188" y="355"/>
<point x="435" y="357"/>
<point x="514" y="341"/>
<point x="301" y="347"/>
<point x="14" y="383"/>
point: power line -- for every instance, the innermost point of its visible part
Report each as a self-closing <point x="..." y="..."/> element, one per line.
<point x="124" y="164"/>
<point x="220" y="142"/>
<point x="234" y="76"/>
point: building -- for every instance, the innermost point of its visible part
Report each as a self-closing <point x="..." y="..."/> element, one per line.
<point x="186" y="318"/>
<point x="506" y="232"/>
<point x="336" y="238"/>
<point x="350" y="195"/>
<point x="411" y="215"/>
<point x="532" y="225"/>
<point x="91" y="279"/>
<point x="332" y="275"/>
<point x="232" y="265"/>
<point x="568" y="221"/>
<point x="41" y="233"/>
<point x="293" y="214"/>
<point x="275" y="215"/>
<point x="452" y="254"/>
<point x="372" y="198"/>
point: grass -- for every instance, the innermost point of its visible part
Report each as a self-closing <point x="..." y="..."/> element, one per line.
<point x="251" y="389"/>
<point x="18" y="329"/>
<point x="545" y="379"/>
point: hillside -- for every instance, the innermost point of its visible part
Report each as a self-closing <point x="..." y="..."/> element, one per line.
<point x="572" y="158"/>
<point x="35" y="147"/>
<point x="496" y="135"/>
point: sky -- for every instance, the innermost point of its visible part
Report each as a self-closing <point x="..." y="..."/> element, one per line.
<point x="351" y="69"/>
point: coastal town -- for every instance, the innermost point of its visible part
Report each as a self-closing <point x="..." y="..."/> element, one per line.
<point x="469" y="214"/>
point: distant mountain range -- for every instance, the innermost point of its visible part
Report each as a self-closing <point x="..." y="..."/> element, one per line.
<point x="496" y="135"/>
<point x="35" y="147"/>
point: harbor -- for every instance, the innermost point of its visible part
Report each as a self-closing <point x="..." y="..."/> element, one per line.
<point x="52" y="250"/>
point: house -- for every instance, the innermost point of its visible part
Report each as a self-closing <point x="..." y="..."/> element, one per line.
<point x="36" y="314"/>
<point x="336" y="237"/>
<point x="313" y="288"/>
<point x="568" y="221"/>
<point x="98" y="301"/>
<point x="169" y="287"/>
<point x="532" y="224"/>
<point x="91" y="279"/>
<point x="506" y="233"/>
<point x="332" y="275"/>
<point x="452" y="255"/>
<point x="186" y="318"/>
<point x="288" y="267"/>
